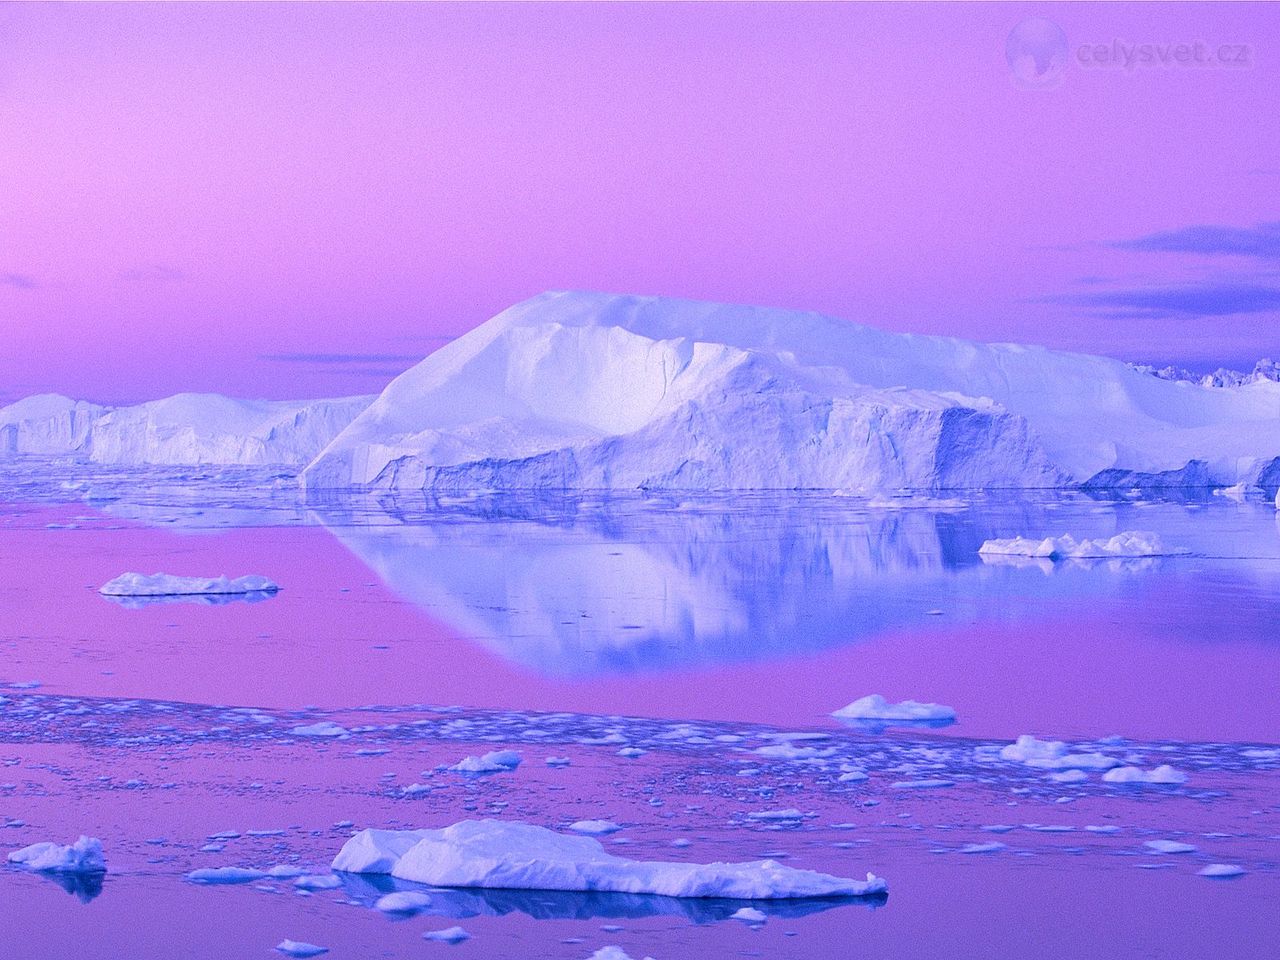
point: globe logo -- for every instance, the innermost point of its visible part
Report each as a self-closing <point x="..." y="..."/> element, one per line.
<point x="1037" y="54"/>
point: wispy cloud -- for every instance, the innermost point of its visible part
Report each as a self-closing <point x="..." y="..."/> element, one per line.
<point x="152" y="273"/>
<point x="1206" y="300"/>
<point x="20" y="281"/>
<point x="341" y="358"/>
<point x="1262" y="240"/>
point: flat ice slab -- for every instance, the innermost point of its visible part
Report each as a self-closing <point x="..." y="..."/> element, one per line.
<point x="1131" y="543"/>
<point x="876" y="711"/>
<point x="520" y="856"/>
<point x="167" y="585"/>
<point x="83" y="856"/>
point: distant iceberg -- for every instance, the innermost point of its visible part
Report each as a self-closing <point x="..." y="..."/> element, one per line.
<point x="186" y="429"/>
<point x="521" y="856"/>
<point x="877" y="712"/>
<point x="167" y="585"/>
<point x="1131" y="543"/>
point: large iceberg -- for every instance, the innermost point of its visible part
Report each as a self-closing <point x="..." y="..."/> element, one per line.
<point x="187" y="429"/>
<point x="520" y="856"/>
<point x="587" y="390"/>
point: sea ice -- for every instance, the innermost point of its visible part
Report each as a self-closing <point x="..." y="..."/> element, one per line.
<point x="83" y="856"/>
<point x="595" y="828"/>
<point x="224" y="875"/>
<point x="513" y="855"/>
<point x="322" y="728"/>
<point x="403" y="901"/>
<point x="1169" y="846"/>
<point x="612" y="953"/>
<point x="167" y="585"/>
<point x="1054" y="755"/>
<point x="749" y="915"/>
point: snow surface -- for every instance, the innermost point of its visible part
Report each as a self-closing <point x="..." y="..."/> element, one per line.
<point x="187" y="429"/>
<point x="167" y="585"/>
<point x="83" y="856"/>
<point x="589" y="390"/>
<point x="1131" y="543"/>
<point x="513" y="855"/>
<point x="876" y="710"/>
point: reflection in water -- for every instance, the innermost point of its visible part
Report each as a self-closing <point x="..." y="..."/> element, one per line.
<point x="83" y="886"/>
<point x="572" y="588"/>
<point x="458" y="903"/>
<point x="137" y="602"/>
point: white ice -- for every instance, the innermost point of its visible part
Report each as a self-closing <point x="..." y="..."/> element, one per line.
<point x="513" y="855"/>
<point x="499" y="761"/>
<point x="879" y="710"/>
<point x="296" y="948"/>
<point x="1163" y="774"/>
<point x="1131" y="543"/>
<point x="447" y="935"/>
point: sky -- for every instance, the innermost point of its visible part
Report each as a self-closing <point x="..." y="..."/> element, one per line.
<point x="303" y="200"/>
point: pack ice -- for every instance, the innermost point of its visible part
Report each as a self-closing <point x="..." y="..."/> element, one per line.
<point x="167" y="585"/>
<point x="589" y="390"/>
<point x="186" y="429"/>
<point x="520" y="856"/>
<point x="1131" y="543"/>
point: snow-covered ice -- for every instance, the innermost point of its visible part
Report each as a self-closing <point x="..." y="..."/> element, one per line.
<point x="594" y="828"/>
<point x="403" y="901"/>
<point x="167" y="585"/>
<point x="874" y="710"/>
<point x="224" y="875"/>
<point x="1221" y="871"/>
<point x="1169" y="846"/>
<point x="447" y="935"/>
<point x="514" y="855"/>
<point x="83" y="856"/>
<point x="499" y="761"/>
<point x="1054" y="755"/>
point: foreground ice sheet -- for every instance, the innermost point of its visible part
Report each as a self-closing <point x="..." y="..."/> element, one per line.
<point x="83" y="856"/>
<point x="167" y="585"/>
<point x="520" y="856"/>
<point x="1131" y="543"/>
<point x="875" y="710"/>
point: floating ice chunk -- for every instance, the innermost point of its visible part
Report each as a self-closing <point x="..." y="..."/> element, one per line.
<point x="1163" y="774"/>
<point x="1105" y="828"/>
<point x="1221" y="871"/>
<point x="595" y="828"/>
<point x="513" y="855"/>
<point x="1169" y="846"/>
<point x="447" y="935"/>
<point x="874" y="710"/>
<point x="323" y="881"/>
<point x="322" y="728"/>
<point x="612" y="953"/>
<point x="990" y="847"/>
<point x="403" y="901"/>
<point x="749" y="915"/>
<point x="1131" y="543"/>
<point x="224" y="875"/>
<point x="853" y="776"/>
<point x="296" y="948"/>
<point x="83" y="856"/>
<point x="167" y="585"/>
<point x="1069" y="776"/>
<point x="558" y="761"/>
<point x="789" y="751"/>
<point x="1054" y="755"/>
<point x="923" y="784"/>
<point x="499" y="761"/>
<point x="285" y="871"/>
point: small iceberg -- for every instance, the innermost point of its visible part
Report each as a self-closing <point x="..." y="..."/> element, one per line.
<point x="1221" y="871"/>
<point x="138" y="589"/>
<point x="447" y="935"/>
<point x="499" y="761"/>
<point x="83" y="856"/>
<point x="595" y="828"/>
<point x="224" y="875"/>
<point x="1054" y="755"/>
<point x="403" y="901"/>
<point x="1131" y="543"/>
<point x="1169" y="846"/>
<point x="520" y="856"/>
<point x="876" y="713"/>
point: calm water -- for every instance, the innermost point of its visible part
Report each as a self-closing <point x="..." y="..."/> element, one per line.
<point x="542" y="624"/>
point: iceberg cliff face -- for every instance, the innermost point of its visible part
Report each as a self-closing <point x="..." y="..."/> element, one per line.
<point x="583" y="390"/>
<point x="187" y="429"/>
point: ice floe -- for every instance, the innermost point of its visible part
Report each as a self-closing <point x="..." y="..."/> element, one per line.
<point x="874" y="711"/>
<point x="224" y="875"/>
<point x="1221" y="871"/>
<point x="83" y="856"/>
<point x="403" y="901"/>
<point x="447" y="935"/>
<point x="514" y="855"/>
<point x="499" y="761"/>
<point x="1169" y="846"/>
<point x="168" y="585"/>
<point x="1054" y="755"/>
<point x="296" y="948"/>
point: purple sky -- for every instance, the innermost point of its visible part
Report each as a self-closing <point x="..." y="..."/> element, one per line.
<point x="299" y="199"/>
